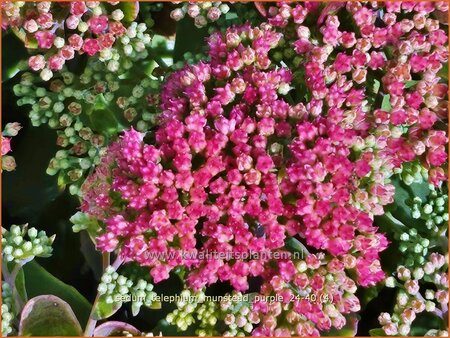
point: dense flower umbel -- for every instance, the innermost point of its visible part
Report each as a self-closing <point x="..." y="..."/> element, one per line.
<point x="192" y="180"/>
<point x="61" y="30"/>
<point x="407" y="54"/>
<point x="322" y="177"/>
<point x="228" y="150"/>
<point x="238" y="166"/>
<point x="234" y="311"/>
<point x="20" y="244"/>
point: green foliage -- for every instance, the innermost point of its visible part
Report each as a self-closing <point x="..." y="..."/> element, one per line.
<point x="48" y="315"/>
<point x="39" y="282"/>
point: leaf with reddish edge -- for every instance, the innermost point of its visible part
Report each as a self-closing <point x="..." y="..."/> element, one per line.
<point x="115" y="328"/>
<point x="48" y="315"/>
<point x="130" y="10"/>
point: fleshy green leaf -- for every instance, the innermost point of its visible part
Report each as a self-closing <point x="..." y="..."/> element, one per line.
<point x="104" y="310"/>
<point x="20" y="285"/>
<point x="130" y="10"/>
<point x="386" y="104"/>
<point x="294" y="245"/>
<point x="48" y="315"/>
<point x="409" y="84"/>
<point x="188" y="39"/>
<point x="40" y="282"/>
<point x="377" y="333"/>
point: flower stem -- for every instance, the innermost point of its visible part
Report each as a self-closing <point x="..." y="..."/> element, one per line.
<point x="92" y="322"/>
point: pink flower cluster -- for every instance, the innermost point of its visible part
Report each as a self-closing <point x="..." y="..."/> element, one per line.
<point x="339" y="63"/>
<point x="210" y="173"/>
<point x="239" y="166"/>
<point x="87" y="28"/>
<point x="315" y="295"/>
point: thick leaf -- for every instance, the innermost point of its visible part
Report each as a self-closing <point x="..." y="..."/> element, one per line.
<point x="403" y="194"/>
<point x="130" y="10"/>
<point x="93" y="257"/>
<point x="386" y="104"/>
<point x="377" y="333"/>
<point x="409" y="84"/>
<point x="295" y="246"/>
<point x="39" y="282"/>
<point x="104" y="310"/>
<point x="48" y="315"/>
<point x="20" y="285"/>
<point x="188" y="39"/>
<point x="28" y="189"/>
<point x="114" y="329"/>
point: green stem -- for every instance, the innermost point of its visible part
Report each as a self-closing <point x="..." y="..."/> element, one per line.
<point x="92" y="322"/>
<point x="158" y="59"/>
<point x="10" y="278"/>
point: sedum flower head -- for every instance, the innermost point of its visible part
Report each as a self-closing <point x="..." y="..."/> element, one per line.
<point x="20" y="244"/>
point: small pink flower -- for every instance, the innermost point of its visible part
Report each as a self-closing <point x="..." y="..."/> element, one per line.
<point x="31" y="26"/>
<point x="78" y="8"/>
<point x="6" y="145"/>
<point x="72" y="22"/>
<point x="76" y="41"/>
<point x="67" y="52"/>
<point x="55" y="62"/>
<point x="45" y="39"/>
<point x="45" y="20"/>
<point x="98" y="24"/>
<point x="36" y="62"/>
<point x="91" y="46"/>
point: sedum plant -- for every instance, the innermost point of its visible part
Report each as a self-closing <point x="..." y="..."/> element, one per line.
<point x="236" y="169"/>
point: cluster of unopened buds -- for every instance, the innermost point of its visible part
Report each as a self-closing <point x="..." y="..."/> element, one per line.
<point x="434" y="211"/>
<point x="422" y="289"/>
<point x="69" y="99"/>
<point x="201" y="12"/>
<point x="7" y="309"/>
<point x="233" y="310"/>
<point x="59" y="31"/>
<point x="10" y="130"/>
<point x="115" y="288"/>
<point x="20" y="244"/>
